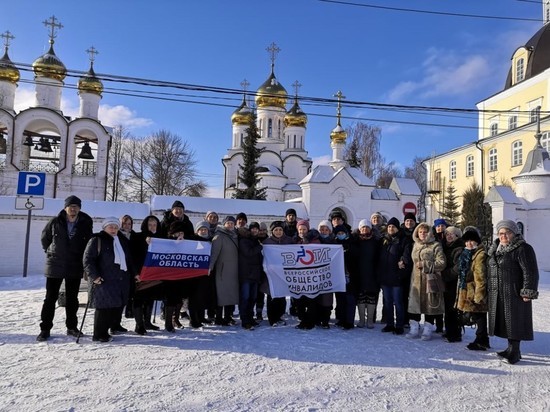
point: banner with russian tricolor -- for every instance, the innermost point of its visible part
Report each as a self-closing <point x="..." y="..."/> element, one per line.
<point x="175" y="259"/>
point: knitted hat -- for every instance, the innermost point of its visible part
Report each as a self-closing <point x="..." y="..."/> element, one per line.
<point x="508" y="224"/>
<point x="324" y="223"/>
<point x="377" y="214"/>
<point x="242" y="215"/>
<point x="290" y="212"/>
<point x="111" y="220"/>
<point x="341" y="228"/>
<point x="229" y="219"/>
<point x="254" y="225"/>
<point x="73" y="200"/>
<point x="303" y="222"/>
<point x="453" y="229"/>
<point x="409" y="216"/>
<point x="202" y="224"/>
<point x="363" y="223"/>
<point x="263" y="226"/>
<point x="177" y="203"/>
<point x="395" y="222"/>
<point x="210" y="212"/>
<point x="438" y="222"/>
<point x="471" y="233"/>
<point x="276" y="224"/>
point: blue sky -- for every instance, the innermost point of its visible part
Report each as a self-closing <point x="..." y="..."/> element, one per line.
<point x="372" y="55"/>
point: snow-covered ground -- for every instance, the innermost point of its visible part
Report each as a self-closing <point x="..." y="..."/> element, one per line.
<point x="284" y="369"/>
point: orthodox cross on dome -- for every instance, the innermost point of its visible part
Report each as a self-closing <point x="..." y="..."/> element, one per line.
<point x="339" y="95"/>
<point x="92" y="52"/>
<point x="296" y="86"/>
<point x="244" y="84"/>
<point x="54" y="24"/>
<point x="7" y="36"/>
<point x="273" y="50"/>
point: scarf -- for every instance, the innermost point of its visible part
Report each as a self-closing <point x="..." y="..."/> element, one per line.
<point x="120" y="257"/>
<point x="464" y="262"/>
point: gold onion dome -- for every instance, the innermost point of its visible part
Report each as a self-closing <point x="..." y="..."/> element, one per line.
<point x="271" y="93"/>
<point x="89" y="83"/>
<point x="8" y="71"/>
<point x="338" y="134"/>
<point x="49" y="65"/>
<point x="243" y="115"/>
<point x="295" y="116"/>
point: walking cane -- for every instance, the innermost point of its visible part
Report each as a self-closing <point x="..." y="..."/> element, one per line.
<point x="154" y="311"/>
<point x="85" y="312"/>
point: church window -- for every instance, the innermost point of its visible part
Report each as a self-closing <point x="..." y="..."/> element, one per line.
<point x="493" y="160"/>
<point x="517" y="153"/>
<point x="494" y="129"/>
<point x="295" y="141"/>
<point x="520" y="72"/>
<point x="279" y="129"/>
<point x="512" y="122"/>
<point x="270" y="128"/>
<point x="452" y="169"/>
<point x="544" y="140"/>
<point x="470" y="165"/>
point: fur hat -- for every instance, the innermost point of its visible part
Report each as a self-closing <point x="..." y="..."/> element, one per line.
<point x="303" y="222"/>
<point x="363" y="223"/>
<point x="409" y="216"/>
<point x="290" y="212"/>
<point x="508" y="224"/>
<point x="336" y="214"/>
<point x="324" y="223"/>
<point x="455" y="230"/>
<point x="395" y="222"/>
<point x="177" y="203"/>
<point x="111" y="220"/>
<point x="438" y="222"/>
<point x="471" y="233"/>
<point x="242" y="215"/>
<point x="254" y="225"/>
<point x="202" y="224"/>
<point x="276" y="224"/>
<point x="229" y="219"/>
<point x="176" y="227"/>
<point x="73" y="200"/>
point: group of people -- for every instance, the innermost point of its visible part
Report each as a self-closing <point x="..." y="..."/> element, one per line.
<point x="438" y="271"/>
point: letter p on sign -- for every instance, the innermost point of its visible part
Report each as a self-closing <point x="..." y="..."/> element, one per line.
<point x="31" y="183"/>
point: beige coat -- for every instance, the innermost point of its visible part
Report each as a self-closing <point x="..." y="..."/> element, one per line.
<point x="474" y="297"/>
<point x="431" y="254"/>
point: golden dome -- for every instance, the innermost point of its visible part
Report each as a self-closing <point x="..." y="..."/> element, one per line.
<point x="8" y="71"/>
<point x="49" y="65"/>
<point x="271" y="93"/>
<point x="243" y="115"/>
<point x="295" y="116"/>
<point x="90" y="83"/>
<point x="338" y="134"/>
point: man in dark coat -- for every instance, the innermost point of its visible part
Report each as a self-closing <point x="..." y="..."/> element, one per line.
<point x="177" y="214"/>
<point x="64" y="239"/>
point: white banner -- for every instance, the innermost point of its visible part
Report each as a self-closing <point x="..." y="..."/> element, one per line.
<point x="304" y="270"/>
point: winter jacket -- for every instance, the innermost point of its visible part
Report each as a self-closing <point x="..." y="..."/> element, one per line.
<point x="471" y="293"/>
<point x="64" y="254"/>
<point x="363" y="259"/>
<point x="452" y="253"/>
<point x="99" y="261"/>
<point x="393" y="249"/>
<point x="513" y="274"/>
<point x="169" y="218"/>
<point x="250" y="257"/>
<point x="426" y="292"/>
<point x="224" y="265"/>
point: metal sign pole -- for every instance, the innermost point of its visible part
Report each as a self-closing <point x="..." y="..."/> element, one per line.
<point x="27" y="236"/>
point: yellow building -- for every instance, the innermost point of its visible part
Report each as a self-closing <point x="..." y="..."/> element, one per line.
<point x="506" y="128"/>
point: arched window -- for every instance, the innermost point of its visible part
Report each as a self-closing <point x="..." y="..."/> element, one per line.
<point x="520" y="72"/>
<point x="493" y="160"/>
<point x="517" y="153"/>
<point x="470" y="165"/>
<point x="270" y="128"/>
<point x="452" y="170"/>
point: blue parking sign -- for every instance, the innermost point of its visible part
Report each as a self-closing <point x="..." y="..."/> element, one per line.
<point x="31" y="183"/>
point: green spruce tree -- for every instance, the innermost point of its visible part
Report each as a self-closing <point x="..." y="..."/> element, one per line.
<point x="450" y="207"/>
<point x="475" y="212"/>
<point x="251" y="155"/>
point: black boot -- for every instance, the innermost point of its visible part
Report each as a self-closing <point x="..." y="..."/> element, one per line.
<point x="506" y="352"/>
<point x="168" y="315"/>
<point x="515" y="355"/>
<point x="147" y="313"/>
<point x="138" y="316"/>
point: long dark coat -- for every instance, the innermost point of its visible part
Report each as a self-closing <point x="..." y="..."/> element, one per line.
<point x="362" y="262"/>
<point x="224" y="265"/>
<point x="250" y="258"/>
<point x="64" y="254"/>
<point x="513" y="274"/>
<point x="115" y="289"/>
<point x="394" y="249"/>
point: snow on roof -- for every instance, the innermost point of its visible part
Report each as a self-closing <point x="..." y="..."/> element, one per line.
<point x="325" y="174"/>
<point x="291" y="187"/>
<point x="502" y="194"/>
<point x="404" y="186"/>
<point x="359" y="176"/>
<point x="383" y="194"/>
<point x="228" y="206"/>
<point x="269" y="170"/>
